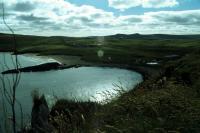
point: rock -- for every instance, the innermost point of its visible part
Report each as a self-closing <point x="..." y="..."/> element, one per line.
<point x="37" y="68"/>
<point x="39" y="116"/>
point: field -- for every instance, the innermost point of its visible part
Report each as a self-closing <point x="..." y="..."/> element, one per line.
<point x="118" y="49"/>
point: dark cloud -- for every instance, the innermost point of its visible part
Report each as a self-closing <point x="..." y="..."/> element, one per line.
<point x="31" y="18"/>
<point x="6" y="14"/>
<point x="96" y="15"/>
<point x="133" y="20"/>
<point x="83" y="19"/>
<point x="180" y="19"/>
<point x="87" y="21"/>
<point x="43" y="23"/>
<point x="25" y="6"/>
<point x="99" y="25"/>
<point x="100" y="15"/>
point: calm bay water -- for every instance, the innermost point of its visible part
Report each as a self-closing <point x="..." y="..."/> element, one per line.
<point x="84" y="83"/>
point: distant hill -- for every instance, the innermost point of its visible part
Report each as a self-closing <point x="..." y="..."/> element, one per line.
<point x="121" y="36"/>
<point x="154" y="36"/>
<point x="118" y="43"/>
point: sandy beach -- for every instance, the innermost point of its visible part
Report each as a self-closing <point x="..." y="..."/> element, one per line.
<point x="69" y="60"/>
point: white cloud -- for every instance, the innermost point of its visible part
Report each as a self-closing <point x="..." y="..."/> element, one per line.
<point x="159" y="3"/>
<point x="188" y="17"/>
<point x="64" y="18"/>
<point x="56" y="14"/>
<point x="125" y="4"/>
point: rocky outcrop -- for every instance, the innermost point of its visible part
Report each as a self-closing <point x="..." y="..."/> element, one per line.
<point x="37" y="68"/>
<point x="39" y="116"/>
<point x="41" y="68"/>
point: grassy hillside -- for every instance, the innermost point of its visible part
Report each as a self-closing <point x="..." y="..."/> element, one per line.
<point x="118" y="49"/>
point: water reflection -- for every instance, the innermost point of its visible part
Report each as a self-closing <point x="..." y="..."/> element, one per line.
<point x="84" y="83"/>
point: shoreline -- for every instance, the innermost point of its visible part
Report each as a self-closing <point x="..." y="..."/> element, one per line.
<point x="145" y="70"/>
<point x="69" y="61"/>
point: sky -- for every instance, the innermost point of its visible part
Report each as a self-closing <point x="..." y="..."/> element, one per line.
<point x="100" y="17"/>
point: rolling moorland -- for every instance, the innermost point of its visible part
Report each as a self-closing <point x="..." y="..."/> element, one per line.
<point x="168" y="100"/>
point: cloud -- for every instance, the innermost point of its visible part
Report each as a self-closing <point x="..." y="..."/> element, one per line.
<point x="64" y="18"/>
<point x="189" y="17"/>
<point x="159" y="3"/>
<point x="23" y="6"/>
<point x="172" y="22"/>
<point x="125" y="4"/>
<point x="61" y="13"/>
<point x="31" y="17"/>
